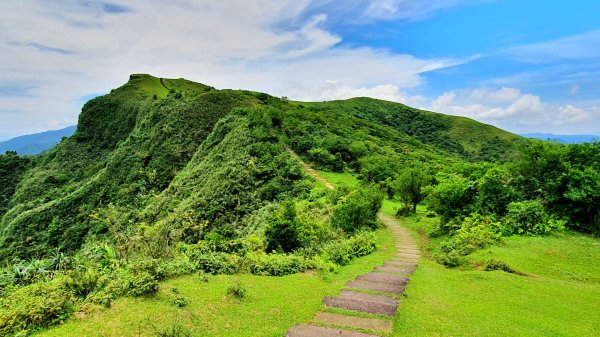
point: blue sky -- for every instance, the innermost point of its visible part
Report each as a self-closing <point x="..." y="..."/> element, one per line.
<point x="525" y="66"/>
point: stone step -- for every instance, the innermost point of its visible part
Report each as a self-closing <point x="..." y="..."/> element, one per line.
<point x="410" y="245"/>
<point x="320" y="331"/>
<point x="353" y="295"/>
<point x="362" y="306"/>
<point x="407" y="250"/>
<point x="355" y="322"/>
<point x="407" y="255"/>
<point x="376" y="286"/>
<point x="383" y="278"/>
<point x="400" y="264"/>
<point x="394" y="269"/>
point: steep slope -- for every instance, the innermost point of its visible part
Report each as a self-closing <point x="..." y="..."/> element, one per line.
<point x="127" y="147"/>
<point x="35" y="143"/>
<point x="187" y="158"/>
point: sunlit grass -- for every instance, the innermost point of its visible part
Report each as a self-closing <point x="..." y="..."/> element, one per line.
<point x="559" y="298"/>
<point x="271" y="306"/>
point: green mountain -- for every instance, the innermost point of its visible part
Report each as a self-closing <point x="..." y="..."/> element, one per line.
<point x="35" y="143"/>
<point x="175" y="154"/>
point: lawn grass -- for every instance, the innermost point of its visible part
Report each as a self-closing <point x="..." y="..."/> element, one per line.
<point x="271" y="306"/>
<point x="340" y="179"/>
<point x="561" y="297"/>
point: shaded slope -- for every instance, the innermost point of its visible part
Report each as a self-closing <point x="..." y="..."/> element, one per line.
<point x="128" y="146"/>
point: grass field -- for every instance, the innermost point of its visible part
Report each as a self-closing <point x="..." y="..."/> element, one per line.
<point x="271" y="306"/>
<point x="560" y="297"/>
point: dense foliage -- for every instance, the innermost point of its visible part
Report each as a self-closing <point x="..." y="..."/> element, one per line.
<point x="12" y="168"/>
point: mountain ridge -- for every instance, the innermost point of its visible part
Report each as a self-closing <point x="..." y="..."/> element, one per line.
<point x="35" y="143"/>
<point x="157" y="148"/>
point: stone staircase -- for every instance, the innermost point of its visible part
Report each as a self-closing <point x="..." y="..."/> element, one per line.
<point x="368" y="303"/>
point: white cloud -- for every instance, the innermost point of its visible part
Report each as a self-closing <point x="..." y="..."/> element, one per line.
<point x="61" y="51"/>
<point x="514" y="110"/>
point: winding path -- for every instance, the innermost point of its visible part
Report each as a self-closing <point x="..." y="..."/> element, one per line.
<point x="369" y="302"/>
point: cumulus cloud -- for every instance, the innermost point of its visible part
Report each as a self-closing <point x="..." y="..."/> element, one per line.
<point x="510" y="108"/>
<point x="55" y="54"/>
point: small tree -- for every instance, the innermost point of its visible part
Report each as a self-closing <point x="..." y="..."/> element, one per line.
<point x="358" y="209"/>
<point x="409" y="185"/>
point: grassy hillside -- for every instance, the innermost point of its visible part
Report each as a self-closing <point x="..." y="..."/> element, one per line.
<point x="137" y="147"/>
<point x="553" y="294"/>
<point x="457" y="135"/>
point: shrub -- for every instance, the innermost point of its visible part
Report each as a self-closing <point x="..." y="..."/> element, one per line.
<point x="529" y="217"/>
<point x="35" y="306"/>
<point x="219" y="263"/>
<point x="237" y="290"/>
<point x="492" y="264"/>
<point x="142" y="284"/>
<point x="180" y="302"/>
<point x="453" y="197"/>
<point x="449" y="258"/>
<point x="276" y="264"/>
<point x="344" y="251"/>
<point x="476" y="232"/>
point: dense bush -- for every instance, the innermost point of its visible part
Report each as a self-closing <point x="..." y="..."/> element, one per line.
<point x="358" y="209"/>
<point x="529" y="217"/>
<point x="476" y="232"/>
<point x="452" y="197"/>
<point x="342" y="252"/>
<point x="282" y="233"/>
<point x="277" y="264"/>
<point x="33" y="307"/>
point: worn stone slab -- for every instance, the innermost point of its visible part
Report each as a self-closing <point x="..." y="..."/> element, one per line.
<point x="355" y="322"/>
<point x="406" y="246"/>
<point x="394" y="269"/>
<point x="406" y="257"/>
<point x="407" y="249"/>
<point x="414" y="261"/>
<point x="357" y="303"/>
<point x="320" y="331"/>
<point x="349" y="294"/>
<point x="416" y="256"/>
<point x="376" y="286"/>
<point x="383" y="278"/>
<point x="401" y="264"/>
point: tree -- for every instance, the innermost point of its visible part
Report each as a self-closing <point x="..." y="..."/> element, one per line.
<point x="409" y="185"/>
<point x="358" y="209"/>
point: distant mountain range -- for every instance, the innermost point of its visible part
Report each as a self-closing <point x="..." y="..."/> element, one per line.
<point x="566" y="139"/>
<point x="37" y="142"/>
